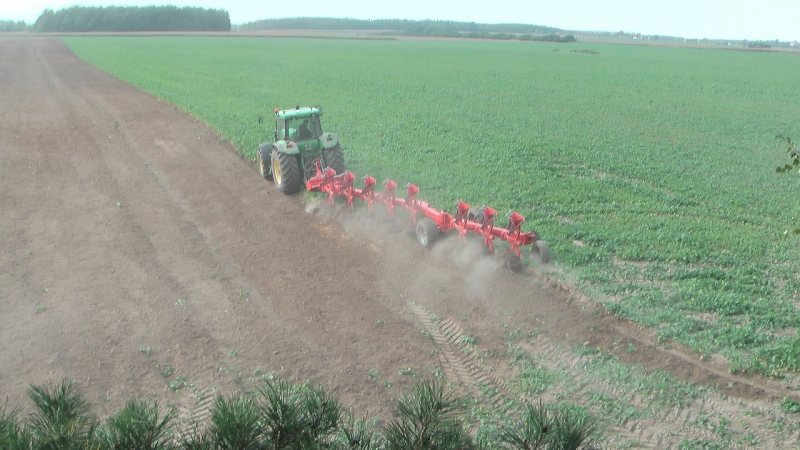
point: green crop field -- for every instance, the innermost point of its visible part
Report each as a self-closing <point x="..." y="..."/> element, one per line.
<point x="649" y="170"/>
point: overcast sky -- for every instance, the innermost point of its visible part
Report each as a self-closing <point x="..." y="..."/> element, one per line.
<point x="723" y="19"/>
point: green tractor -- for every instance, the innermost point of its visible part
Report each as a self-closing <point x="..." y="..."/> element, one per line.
<point x="299" y="149"/>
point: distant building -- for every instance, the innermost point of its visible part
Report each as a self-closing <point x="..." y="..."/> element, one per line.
<point x="793" y="44"/>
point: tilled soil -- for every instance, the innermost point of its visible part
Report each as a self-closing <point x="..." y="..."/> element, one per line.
<point x="142" y="258"/>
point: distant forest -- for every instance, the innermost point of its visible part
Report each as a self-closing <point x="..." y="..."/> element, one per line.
<point x="10" y="25"/>
<point x="324" y="23"/>
<point x="436" y="32"/>
<point x="130" y="18"/>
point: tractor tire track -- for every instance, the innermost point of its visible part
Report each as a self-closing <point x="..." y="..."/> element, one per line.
<point x="458" y="358"/>
<point x="661" y="426"/>
<point x="656" y="426"/>
<point x="194" y="412"/>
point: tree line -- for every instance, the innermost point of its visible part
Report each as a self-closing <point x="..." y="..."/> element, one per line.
<point x="435" y="32"/>
<point x="131" y="18"/>
<point x="10" y="25"/>
<point x="326" y="23"/>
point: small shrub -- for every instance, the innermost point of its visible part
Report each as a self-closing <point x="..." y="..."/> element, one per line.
<point x="296" y="416"/>
<point x="61" y="419"/>
<point x="12" y="436"/>
<point x="550" y="427"/>
<point x="357" y="435"/>
<point x="236" y="424"/>
<point x="138" y="425"/>
<point x="426" y="420"/>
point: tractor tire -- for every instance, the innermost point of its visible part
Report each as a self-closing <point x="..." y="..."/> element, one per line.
<point x="427" y="232"/>
<point x="286" y="172"/>
<point x="264" y="162"/>
<point x="540" y="252"/>
<point x="334" y="158"/>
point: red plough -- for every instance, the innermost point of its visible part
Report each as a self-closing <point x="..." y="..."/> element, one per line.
<point x="468" y="220"/>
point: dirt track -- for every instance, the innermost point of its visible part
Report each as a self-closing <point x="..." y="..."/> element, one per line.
<point x="132" y="239"/>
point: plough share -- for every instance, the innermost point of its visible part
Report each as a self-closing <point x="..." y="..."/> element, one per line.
<point x="467" y="220"/>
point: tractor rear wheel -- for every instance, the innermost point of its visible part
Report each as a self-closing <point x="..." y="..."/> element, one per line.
<point x="286" y="172"/>
<point x="427" y="232"/>
<point x="541" y="252"/>
<point x="264" y="161"/>
<point x="334" y="158"/>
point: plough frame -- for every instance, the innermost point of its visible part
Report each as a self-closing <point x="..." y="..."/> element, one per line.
<point x="467" y="220"/>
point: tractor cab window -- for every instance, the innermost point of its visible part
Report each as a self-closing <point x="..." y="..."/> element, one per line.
<point x="305" y="128"/>
<point x="280" y="128"/>
<point x="314" y="125"/>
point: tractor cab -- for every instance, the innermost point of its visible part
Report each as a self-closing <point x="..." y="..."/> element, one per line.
<point x="298" y="125"/>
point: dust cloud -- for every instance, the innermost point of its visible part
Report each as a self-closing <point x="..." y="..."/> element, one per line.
<point x="469" y="257"/>
<point x="464" y="259"/>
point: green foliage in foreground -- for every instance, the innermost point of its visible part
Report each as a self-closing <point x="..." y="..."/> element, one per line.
<point x="794" y="156"/>
<point x="649" y="170"/>
<point x="541" y="427"/>
<point x="279" y="415"/>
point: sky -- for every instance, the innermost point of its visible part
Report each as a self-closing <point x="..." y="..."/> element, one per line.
<point x="718" y="19"/>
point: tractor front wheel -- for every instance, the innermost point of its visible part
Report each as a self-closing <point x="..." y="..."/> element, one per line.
<point x="541" y="252"/>
<point x="334" y="158"/>
<point x="264" y="163"/>
<point x="286" y="172"/>
<point x="427" y="232"/>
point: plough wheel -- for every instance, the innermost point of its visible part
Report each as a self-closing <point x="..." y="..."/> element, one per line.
<point x="334" y="158"/>
<point x="541" y="252"/>
<point x="264" y="163"/>
<point x="427" y="232"/>
<point x="286" y="172"/>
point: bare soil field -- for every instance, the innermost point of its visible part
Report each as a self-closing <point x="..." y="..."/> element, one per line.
<point x="138" y="251"/>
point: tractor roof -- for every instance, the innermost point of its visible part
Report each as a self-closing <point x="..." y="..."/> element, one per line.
<point x="298" y="113"/>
